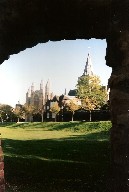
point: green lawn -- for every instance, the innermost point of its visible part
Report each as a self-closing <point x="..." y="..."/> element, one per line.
<point x="56" y="157"/>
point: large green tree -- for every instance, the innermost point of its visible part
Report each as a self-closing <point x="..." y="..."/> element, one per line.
<point x="92" y="94"/>
<point x="6" y="112"/>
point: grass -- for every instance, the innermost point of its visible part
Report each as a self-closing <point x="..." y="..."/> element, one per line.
<point x="56" y="157"/>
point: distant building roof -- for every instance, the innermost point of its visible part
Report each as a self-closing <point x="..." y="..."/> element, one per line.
<point x="72" y="92"/>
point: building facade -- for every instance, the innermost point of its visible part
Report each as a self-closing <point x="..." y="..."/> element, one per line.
<point x="38" y="98"/>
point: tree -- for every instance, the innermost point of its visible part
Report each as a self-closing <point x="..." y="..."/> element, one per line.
<point x="89" y="104"/>
<point x="41" y="112"/>
<point x="6" y="112"/>
<point x="92" y="94"/>
<point x="71" y="106"/>
<point x="55" y="109"/>
<point x="19" y="112"/>
<point x="29" y="111"/>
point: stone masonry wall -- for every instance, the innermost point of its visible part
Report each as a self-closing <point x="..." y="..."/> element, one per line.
<point x="25" y="23"/>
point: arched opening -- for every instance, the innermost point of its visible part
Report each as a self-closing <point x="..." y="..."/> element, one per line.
<point x="70" y="64"/>
<point x="44" y="60"/>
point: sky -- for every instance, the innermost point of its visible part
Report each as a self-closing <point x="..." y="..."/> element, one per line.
<point x="62" y="62"/>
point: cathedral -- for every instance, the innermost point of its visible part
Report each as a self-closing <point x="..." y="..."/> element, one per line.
<point x="38" y="98"/>
<point x="42" y="99"/>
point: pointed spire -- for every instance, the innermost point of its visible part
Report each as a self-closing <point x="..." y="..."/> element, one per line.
<point x="88" y="68"/>
<point x="48" y="83"/>
<point x="28" y="94"/>
<point x="65" y="92"/>
<point x="47" y="90"/>
<point x="41" y="85"/>
<point x="32" y="88"/>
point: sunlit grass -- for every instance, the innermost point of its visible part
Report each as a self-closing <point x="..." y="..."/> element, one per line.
<point x="50" y="130"/>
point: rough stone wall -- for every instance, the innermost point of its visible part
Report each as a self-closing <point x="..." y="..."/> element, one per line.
<point x="119" y="101"/>
<point x="24" y="23"/>
<point x="118" y="58"/>
<point x="2" y="181"/>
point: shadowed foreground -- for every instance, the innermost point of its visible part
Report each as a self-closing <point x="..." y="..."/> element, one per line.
<point x="76" y="163"/>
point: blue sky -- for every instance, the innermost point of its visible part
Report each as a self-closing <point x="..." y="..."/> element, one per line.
<point x="62" y="62"/>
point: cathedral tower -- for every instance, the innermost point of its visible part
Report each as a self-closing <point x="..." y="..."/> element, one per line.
<point x="32" y="88"/>
<point x="28" y="97"/>
<point x="32" y="95"/>
<point x="41" y="85"/>
<point x="88" y="67"/>
<point x="47" y="91"/>
<point x="41" y="95"/>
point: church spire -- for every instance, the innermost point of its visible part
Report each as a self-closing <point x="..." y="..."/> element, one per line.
<point x="41" y="85"/>
<point x="65" y="92"/>
<point x="88" y="67"/>
<point x="32" y="88"/>
<point x="47" y="90"/>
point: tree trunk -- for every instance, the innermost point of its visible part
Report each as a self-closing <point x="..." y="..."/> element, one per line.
<point x="90" y="116"/>
<point x="72" y="115"/>
<point x="42" y="116"/>
<point x="30" y="118"/>
<point x="1" y="120"/>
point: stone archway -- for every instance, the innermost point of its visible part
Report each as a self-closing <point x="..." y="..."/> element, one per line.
<point x="24" y="23"/>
